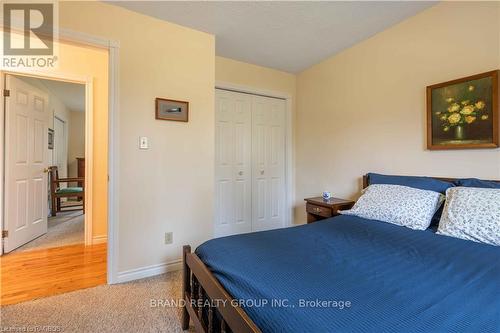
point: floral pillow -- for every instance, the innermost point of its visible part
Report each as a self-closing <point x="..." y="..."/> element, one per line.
<point x="396" y="204"/>
<point x="472" y="213"/>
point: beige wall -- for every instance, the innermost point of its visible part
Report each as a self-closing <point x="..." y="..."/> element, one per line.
<point x="241" y="73"/>
<point x="170" y="186"/>
<point x="364" y="109"/>
<point x="76" y="141"/>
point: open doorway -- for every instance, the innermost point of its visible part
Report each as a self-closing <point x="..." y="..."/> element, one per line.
<point x="47" y="190"/>
<point x="66" y="183"/>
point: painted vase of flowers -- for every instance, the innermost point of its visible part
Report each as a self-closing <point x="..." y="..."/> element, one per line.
<point x="459" y="114"/>
<point x="459" y="132"/>
<point x="463" y="113"/>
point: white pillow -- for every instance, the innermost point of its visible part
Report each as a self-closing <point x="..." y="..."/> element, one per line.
<point x="472" y="213"/>
<point x="396" y="204"/>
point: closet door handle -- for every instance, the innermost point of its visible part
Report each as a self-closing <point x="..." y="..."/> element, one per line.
<point x="261" y="172"/>
<point x="240" y="173"/>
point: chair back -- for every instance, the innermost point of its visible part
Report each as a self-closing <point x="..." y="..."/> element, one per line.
<point x="54" y="175"/>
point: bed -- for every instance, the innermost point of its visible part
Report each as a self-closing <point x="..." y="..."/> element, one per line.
<point x="344" y="274"/>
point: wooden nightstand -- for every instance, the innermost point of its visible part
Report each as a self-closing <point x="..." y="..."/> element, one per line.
<point x="319" y="209"/>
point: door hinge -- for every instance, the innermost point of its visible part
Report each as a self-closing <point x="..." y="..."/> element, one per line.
<point x="5" y="233"/>
<point x="6" y="92"/>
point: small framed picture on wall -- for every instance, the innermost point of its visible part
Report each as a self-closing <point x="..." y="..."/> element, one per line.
<point x="463" y="113"/>
<point x="170" y="109"/>
<point x="51" y="138"/>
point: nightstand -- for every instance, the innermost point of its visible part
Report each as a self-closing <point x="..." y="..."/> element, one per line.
<point x="318" y="209"/>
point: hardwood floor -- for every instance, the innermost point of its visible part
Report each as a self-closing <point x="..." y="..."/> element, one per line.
<point x="40" y="273"/>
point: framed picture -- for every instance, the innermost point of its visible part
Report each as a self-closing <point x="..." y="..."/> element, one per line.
<point x="169" y="109"/>
<point x="51" y="138"/>
<point x="463" y="113"/>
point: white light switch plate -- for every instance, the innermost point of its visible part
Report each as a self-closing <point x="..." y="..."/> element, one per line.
<point x="169" y="237"/>
<point x="143" y="142"/>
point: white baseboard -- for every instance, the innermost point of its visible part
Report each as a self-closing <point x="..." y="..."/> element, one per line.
<point x="99" y="239"/>
<point x="147" y="271"/>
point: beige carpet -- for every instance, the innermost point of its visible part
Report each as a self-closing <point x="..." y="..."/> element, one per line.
<point x="66" y="228"/>
<point x="118" y="308"/>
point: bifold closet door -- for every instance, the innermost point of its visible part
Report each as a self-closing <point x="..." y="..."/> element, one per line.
<point x="233" y="174"/>
<point x="268" y="163"/>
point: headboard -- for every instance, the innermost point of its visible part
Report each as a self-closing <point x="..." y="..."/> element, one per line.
<point x="451" y="180"/>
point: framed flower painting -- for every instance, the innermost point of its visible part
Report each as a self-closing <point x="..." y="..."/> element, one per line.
<point x="463" y="113"/>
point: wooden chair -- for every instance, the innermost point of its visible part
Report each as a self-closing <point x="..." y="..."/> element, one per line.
<point x="56" y="192"/>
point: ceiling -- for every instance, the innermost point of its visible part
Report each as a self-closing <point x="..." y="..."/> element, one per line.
<point x="289" y="36"/>
<point x="70" y="94"/>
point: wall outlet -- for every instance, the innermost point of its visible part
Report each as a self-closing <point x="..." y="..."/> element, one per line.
<point x="169" y="237"/>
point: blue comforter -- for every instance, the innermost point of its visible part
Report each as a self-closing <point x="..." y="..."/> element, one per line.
<point x="395" y="279"/>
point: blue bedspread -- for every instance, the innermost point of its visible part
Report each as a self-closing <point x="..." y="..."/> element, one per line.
<point x="396" y="279"/>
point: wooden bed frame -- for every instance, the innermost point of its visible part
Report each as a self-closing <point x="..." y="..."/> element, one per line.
<point x="198" y="283"/>
<point x="200" y="286"/>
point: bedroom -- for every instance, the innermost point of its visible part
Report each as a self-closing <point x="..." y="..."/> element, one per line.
<point x="353" y="111"/>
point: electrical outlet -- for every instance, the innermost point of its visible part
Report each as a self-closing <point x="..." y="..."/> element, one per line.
<point x="169" y="237"/>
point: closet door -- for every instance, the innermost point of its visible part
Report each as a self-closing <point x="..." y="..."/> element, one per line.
<point x="268" y="163"/>
<point x="233" y="213"/>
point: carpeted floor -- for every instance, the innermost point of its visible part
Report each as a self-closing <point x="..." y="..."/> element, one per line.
<point x="66" y="228"/>
<point x="118" y="308"/>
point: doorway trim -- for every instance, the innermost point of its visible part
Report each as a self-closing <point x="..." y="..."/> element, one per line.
<point x="113" y="47"/>
<point x="289" y="158"/>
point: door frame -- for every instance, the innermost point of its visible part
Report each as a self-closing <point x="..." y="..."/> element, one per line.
<point x="289" y="158"/>
<point x="87" y="81"/>
<point x="113" y="47"/>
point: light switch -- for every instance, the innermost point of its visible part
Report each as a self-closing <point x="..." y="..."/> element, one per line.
<point x="143" y="142"/>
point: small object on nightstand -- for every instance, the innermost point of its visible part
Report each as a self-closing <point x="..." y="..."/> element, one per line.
<point x="319" y="209"/>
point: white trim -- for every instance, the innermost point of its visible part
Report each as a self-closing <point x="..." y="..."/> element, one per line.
<point x="86" y="39"/>
<point x="113" y="162"/>
<point x="89" y="158"/>
<point x="113" y="48"/>
<point x="289" y="186"/>
<point x="289" y="157"/>
<point x="99" y="239"/>
<point x="89" y="133"/>
<point x="147" y="271"/>
<point x="2" y="143"/>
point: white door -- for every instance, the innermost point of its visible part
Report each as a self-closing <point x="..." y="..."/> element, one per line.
<point x="249" y="163"/>
<point x="268" y="163"/>
<point x="26" y="156"/>
<point x="60" y="148"/>
<point x="232" y="163"/>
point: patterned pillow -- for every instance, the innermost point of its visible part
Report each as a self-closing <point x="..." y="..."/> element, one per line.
<point x="396" y="204"/>
<point x="472" y="213"/>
